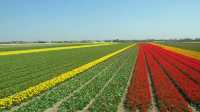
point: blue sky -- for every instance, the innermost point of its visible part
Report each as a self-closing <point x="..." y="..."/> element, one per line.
<point x="98" y="19"/>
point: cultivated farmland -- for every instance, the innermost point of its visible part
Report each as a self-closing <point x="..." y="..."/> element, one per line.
<point x="185" y="45"/>
<point x="14" y="47"/>
<point x="101" y="77"/>
<point x="170" y="81"/>
<point x="17" y="70"/>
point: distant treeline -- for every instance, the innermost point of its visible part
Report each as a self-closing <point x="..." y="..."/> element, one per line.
<point x="115" y="40"/>
<point x="180" y="40"/>
<point x="27" y="42"/>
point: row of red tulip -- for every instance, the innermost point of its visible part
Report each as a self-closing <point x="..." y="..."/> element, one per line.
<point x="190" y="89"/>
<point x="190" y="62"/>
<point x="187" y="67"/>
<point x="167" y="95"/>
<point x="139" y="92"/>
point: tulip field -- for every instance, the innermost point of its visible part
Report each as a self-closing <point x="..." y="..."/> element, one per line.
<point x="170" y="80"/>
<point x="100" y="77"/>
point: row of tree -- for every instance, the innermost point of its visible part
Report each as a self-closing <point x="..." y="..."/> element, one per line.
<point x="115" y="40"/>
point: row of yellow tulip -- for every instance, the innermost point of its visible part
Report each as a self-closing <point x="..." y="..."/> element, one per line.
<point x="35" y="90"/>
<point x="189" y="53"/>
<point x="4" y="53"/>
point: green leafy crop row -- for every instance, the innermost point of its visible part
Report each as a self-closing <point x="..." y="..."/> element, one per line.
<point x="105" y="93"/>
